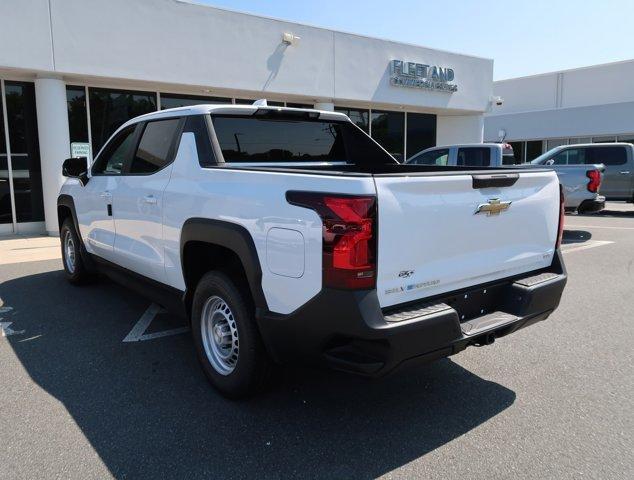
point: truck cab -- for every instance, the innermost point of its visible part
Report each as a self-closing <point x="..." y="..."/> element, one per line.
<point x="466" y="154"/>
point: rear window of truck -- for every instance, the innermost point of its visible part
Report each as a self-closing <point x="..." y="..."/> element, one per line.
<point x="255" y="139"/>
<point x="474" y="157"/>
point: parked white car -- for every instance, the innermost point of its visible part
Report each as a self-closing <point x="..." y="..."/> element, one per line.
<point x="287" y="234"/>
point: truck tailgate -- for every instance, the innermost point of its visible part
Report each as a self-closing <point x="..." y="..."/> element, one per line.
<point x="432" y="241"/>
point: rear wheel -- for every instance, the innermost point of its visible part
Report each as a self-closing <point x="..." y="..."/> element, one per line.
<point x="74" y="267"/>
<point x="227" y="340"/>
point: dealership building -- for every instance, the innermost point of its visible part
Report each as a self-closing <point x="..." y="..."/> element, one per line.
<point x="582" y="105"/>
<point x="72" y="71"/>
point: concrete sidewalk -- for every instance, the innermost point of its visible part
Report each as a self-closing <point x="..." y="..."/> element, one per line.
<point x="19" y="248"/>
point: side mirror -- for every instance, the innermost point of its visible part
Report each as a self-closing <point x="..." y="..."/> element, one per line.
<point x="76" y="168"/>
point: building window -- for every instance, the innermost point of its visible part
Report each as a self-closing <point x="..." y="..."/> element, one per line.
<point x="169" y="100"/>
<point x="579" y="140"/>
<point x="270" y="103"/>
<point x="360" y="117"/>
<point x="299" y="105"/>
<point x="388" y="129"/>
<point x="109" y="109"/>
<point x="5" y="192"/>
<point x="518" y="152"/>
<point x="604" y="139"/>
<point x="421" y="132"/>
<point x="25" y="151"/>
<point x="626" y="138"/>
<point x="534" y="149"/>
<point x="556" y="142"/>
<point x="77" y="118"/>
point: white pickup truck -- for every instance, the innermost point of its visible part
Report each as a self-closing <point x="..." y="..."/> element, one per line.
<point x="580" y="182"/>
<point x="288" y="234"/>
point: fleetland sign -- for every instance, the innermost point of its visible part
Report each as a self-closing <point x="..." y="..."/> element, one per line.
<point x="419" y="75"/>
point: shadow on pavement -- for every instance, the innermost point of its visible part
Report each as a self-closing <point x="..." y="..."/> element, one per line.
<point x="575" y="236"/>
<point x="610" y="213"/>
<point x="149" y="412"/>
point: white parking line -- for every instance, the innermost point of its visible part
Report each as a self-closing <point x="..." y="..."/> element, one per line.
<point x="598" y="226"/>
<point x="137" y="334"/>
<point x="7" y="330"/>
<point x="586" y="246"/>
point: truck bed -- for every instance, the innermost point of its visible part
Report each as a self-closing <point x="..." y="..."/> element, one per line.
<point x="377" y="169"/>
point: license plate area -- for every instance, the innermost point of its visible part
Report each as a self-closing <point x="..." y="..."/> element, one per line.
<point x="478" y="302"/>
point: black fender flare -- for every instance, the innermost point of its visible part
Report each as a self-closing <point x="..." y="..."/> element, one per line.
<point x="67" y="201"/>
<point x="233" y="237"/>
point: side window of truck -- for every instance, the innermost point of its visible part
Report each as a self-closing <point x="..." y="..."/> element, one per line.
<point x="435" y="157"/>
<point x="156" y="147"/>
<point x="474" y="157"/>
<point x="608" y="155"/>
<point x="571" y="156"/>
<point x="115" y="153"/>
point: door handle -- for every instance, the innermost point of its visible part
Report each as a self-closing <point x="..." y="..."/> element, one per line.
<point x="150" y="199"/>
<point x="626" y="172"/>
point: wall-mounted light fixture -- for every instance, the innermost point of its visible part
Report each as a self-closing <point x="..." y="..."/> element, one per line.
<point x="290" y="39"/>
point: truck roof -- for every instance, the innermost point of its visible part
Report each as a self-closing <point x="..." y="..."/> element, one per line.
<point x="228" y="109"/>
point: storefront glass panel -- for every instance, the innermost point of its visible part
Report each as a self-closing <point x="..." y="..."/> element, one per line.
<point x="77" y="115"/>
<point x="109" y="109"/>
<point x="604" y="139"/>
<point x="518" y="151"/>
<point x="25" y="154"/>
<point x="556" y="142"/>
<point x="5" y="191"/>
<point x="421" y="132"/>
<point x="534" y="149"/>
<point x="361" y="118"/>
<point x="388" y="129"/>
<point x="169" y="100"/>
<point x="270" y="103"/>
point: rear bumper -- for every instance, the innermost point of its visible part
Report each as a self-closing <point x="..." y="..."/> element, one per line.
<point x="347" y="330"/>
<point x="592" y="205"/>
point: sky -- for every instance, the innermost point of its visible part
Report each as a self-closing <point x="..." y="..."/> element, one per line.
<point x="522" y="37"/>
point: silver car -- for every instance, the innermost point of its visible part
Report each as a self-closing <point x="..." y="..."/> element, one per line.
<point x="618" y="159"/>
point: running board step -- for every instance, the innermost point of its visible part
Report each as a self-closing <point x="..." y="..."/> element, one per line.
<point x="536" y="279"/>
<point x="486" y="322"/>
<point x="416" y="311"/>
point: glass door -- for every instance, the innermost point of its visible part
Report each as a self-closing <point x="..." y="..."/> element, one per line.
<point x="21" y="198"/>
<point x="6" y="190"/>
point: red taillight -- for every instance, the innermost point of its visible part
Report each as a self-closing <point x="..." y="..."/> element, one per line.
<point x="595" y="180"/>
<point x="560" y="229"/>
<point x="349" y="238"/>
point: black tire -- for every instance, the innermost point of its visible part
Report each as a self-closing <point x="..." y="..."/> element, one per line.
<point x="75" y="269"/>
<point x="251" y="369"/>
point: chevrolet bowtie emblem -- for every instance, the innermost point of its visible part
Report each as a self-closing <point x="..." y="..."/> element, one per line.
<point x="493" y="207"/>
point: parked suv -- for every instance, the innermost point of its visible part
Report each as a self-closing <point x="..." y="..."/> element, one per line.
<point x="618" y="159"/>
<point x="278" y="232"/>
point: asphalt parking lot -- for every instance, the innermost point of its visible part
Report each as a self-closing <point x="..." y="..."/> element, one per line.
<point x="551" y="401"/>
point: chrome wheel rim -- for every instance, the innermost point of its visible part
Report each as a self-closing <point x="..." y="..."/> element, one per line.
<point x="220" y="335"/>
<point x="69" y="252"/>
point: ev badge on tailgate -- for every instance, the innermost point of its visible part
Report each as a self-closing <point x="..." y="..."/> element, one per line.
<point x="493" y="207"/>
